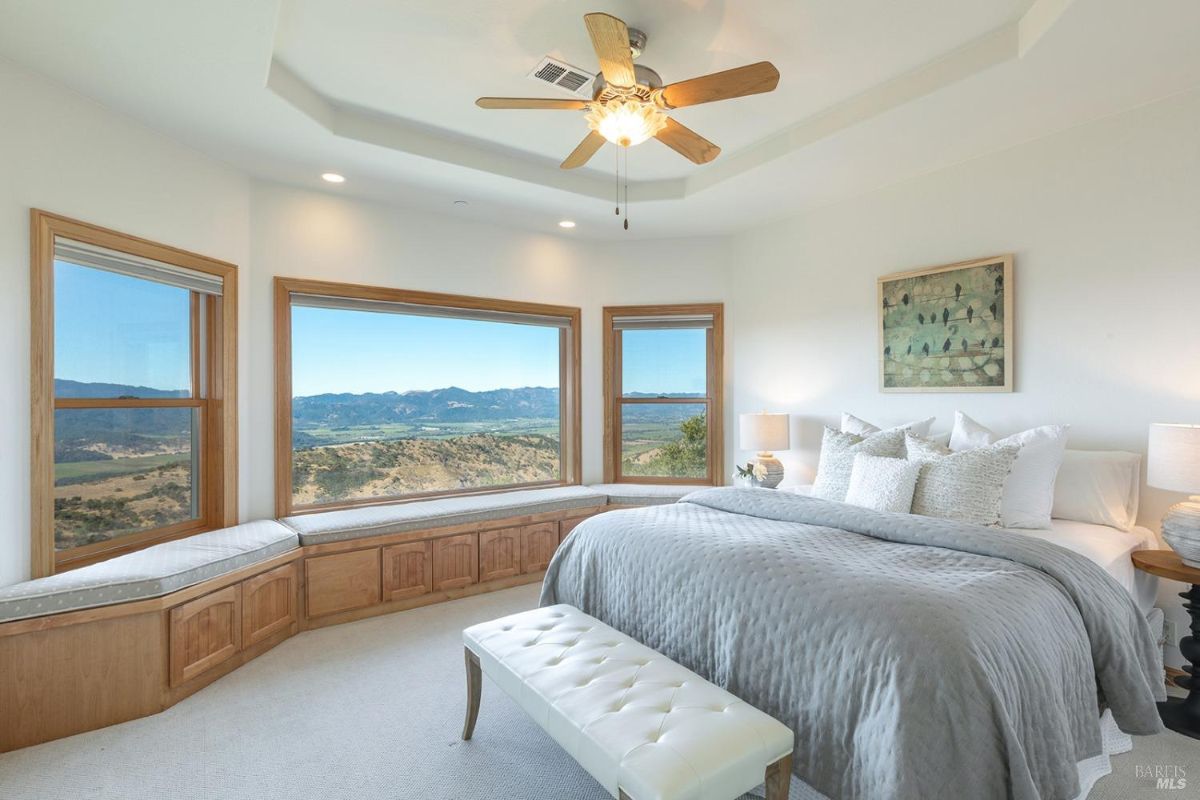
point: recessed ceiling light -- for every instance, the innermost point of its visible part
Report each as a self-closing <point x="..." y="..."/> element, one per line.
<point x="332" y="177"/>
<point x="566" y="223"/>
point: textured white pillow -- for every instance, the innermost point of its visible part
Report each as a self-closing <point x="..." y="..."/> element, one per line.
<point x="1099" y="486"/>
<point x="1029" y="490"/>
<point x="884" y="484"/>
<point x="837" y="458"/>
<point x="965" y="486"/>
<point x="860" y="427"/>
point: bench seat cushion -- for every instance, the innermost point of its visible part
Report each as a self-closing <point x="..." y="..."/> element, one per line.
<point x="633" y="718"/>
<point x="642" y="494"/>
<point x="357" y="523"/>
<point x="153" y="572"/>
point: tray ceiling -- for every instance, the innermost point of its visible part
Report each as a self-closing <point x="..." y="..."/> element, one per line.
<point x="384" y="92"/>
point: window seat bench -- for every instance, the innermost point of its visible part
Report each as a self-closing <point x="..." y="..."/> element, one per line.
<point x="357" y="523"/>
<point x="643" y="494"/>
<point x="134" y="635"/>
<point x="153" y="572"/>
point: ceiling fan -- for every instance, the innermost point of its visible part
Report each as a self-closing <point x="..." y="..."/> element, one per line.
<point x="630" y="103"/>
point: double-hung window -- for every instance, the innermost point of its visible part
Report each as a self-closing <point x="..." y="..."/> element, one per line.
<point x="134" y="431"/>
<point x="386" y="395"/>
<point x="662" y="379"/>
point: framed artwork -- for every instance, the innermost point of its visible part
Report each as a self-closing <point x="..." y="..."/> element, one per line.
<point x="947" y="329"/>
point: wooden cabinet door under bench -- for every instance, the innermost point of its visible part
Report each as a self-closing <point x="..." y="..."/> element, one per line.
<point x="213" y="628"/>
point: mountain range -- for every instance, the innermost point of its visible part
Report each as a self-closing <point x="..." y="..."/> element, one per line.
<point x="439" y="405"/>
<point x="343" y="410"/>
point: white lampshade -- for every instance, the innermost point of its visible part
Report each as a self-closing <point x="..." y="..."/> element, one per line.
<point x="763" y="432"/>
<point x="1173" y="462"/>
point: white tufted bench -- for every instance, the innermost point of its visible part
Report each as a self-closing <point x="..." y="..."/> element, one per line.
<point x="643" y="726"/>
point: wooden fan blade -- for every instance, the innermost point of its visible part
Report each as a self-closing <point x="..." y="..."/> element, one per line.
<point x="530" y="102"/>
<point x="610" y="38"/>
<point x="739" y="82"/>
<point x="687" y="142"/>
<point x="586" y="149"/>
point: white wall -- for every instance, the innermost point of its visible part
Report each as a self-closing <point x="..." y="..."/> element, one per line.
<point x="319" y="235"/>
<point x="62" y="153"/>
<point x="1104" y="223"/>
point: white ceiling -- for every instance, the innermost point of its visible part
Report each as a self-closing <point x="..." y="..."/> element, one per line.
<point x="423" y="63"/>
<point x="872" y="92"/>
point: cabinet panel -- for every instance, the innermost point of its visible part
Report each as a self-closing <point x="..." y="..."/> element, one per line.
<point x="268" y="604"/>
<point x="341" y="582"/>
<point x="499" y="554"/>
<point x="538" y="543"/>
<point x="204" y="633"/>
<point x="567" y="525"/>
<point x="407" y="570"/>
<point x="455" y="561"/>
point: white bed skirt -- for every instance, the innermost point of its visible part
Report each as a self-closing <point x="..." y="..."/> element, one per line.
<point x="1090" y="770"/>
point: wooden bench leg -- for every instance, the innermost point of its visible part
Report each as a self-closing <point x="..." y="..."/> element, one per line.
<point x="474" y="687"/>
<point x="779" y="778"/>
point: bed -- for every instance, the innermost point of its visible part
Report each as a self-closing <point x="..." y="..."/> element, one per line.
<point x="914" y="657"/>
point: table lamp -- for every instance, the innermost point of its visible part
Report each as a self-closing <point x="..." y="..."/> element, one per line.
<point x="765" y="433"/>
<point x="1173" y="463"/>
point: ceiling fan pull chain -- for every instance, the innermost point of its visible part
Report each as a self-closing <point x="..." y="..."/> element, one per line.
<point x="626" y="149"/>
<point x="617" y="178"/>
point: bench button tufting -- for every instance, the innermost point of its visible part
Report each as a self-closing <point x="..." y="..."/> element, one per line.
<point x="707" y="747"/>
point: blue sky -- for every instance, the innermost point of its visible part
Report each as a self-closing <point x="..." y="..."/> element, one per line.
<point x="355" y="351"/>
<point x="111" y="328"/>
<point x="115" y="329"/>
<point x="664" y="361"/>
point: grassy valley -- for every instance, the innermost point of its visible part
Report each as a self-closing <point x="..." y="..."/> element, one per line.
<point x="120" y="471"/>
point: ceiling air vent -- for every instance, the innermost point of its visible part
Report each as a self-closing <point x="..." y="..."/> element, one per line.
<point x="564" y="76"/>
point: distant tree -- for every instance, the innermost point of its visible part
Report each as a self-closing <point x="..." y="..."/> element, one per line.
<point x="683" y="457"/>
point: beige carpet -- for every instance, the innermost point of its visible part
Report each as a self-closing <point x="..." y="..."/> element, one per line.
<point x="370" y="711"/>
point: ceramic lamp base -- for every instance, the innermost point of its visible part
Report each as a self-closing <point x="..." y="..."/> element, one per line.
<point x="774" y="468"/>
<point x="1181" y="529"/>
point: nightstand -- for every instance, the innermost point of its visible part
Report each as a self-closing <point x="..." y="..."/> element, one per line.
<point x="1180" y="715"/>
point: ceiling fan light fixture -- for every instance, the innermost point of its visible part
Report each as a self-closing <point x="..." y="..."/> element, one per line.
<point x="626" y="122"/>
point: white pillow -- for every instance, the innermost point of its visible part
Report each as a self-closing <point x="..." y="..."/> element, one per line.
<point x="860" y="427"/>
<point x="969" y="434"/>
<point x="1099" y="486"/>
<point x="966" y="486"/>
<point x="838" y="451"/>
<point x="884" y="484"/>
<point x="1029" y="490"/>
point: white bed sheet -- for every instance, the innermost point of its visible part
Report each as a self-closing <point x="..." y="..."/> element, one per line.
<point x="1111" y="549"/>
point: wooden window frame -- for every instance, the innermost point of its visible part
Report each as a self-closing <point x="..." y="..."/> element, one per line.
<point x="569" y="385"/>
<point x="613" y="401"/>
<point x="216" y="482"/>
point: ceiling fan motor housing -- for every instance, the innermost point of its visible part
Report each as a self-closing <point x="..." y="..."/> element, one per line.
<point x="647" y="79"/>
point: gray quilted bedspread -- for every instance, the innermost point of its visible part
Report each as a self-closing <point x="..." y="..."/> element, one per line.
<point x="913" y="657"/>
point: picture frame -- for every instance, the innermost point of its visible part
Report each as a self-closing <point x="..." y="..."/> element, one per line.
<point x="947" y="328"/>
